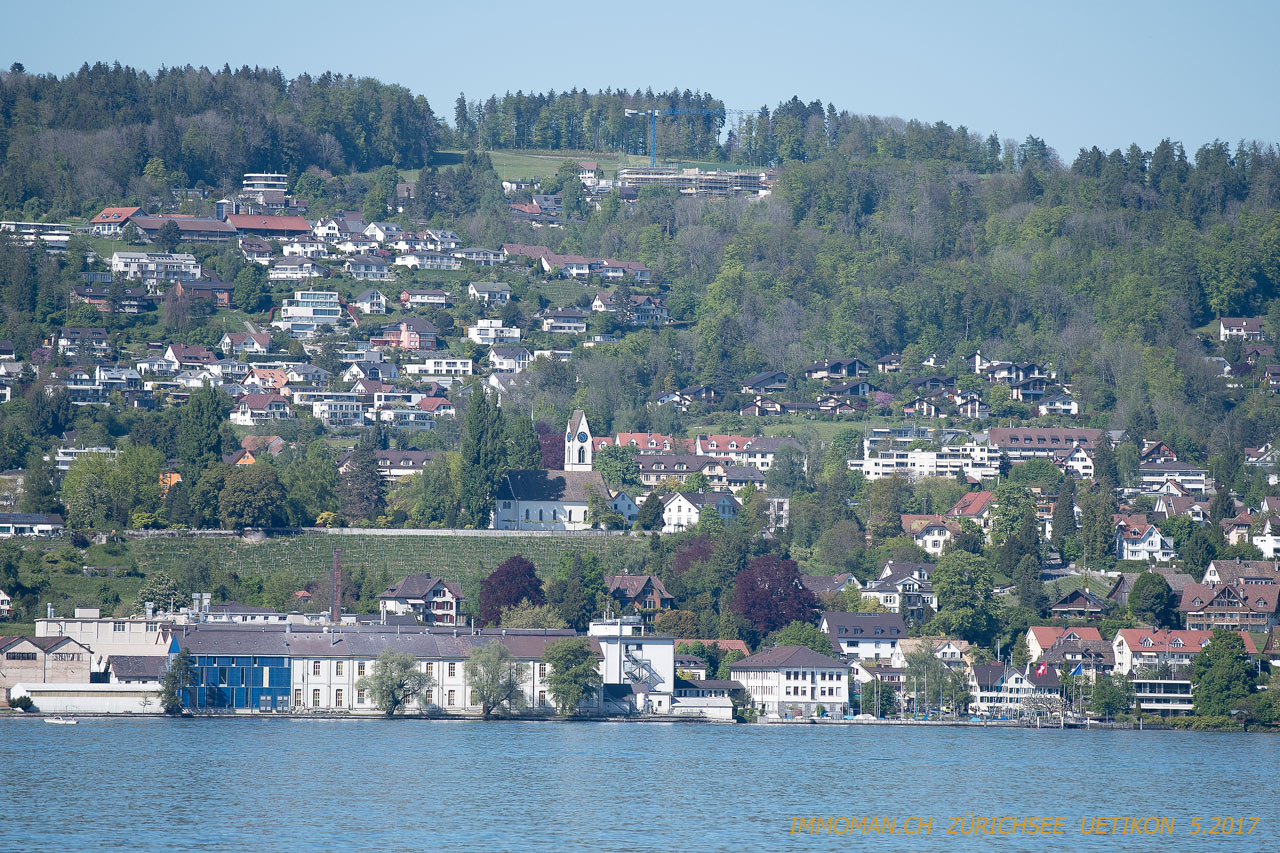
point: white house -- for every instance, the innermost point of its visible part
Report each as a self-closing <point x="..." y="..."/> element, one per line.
<point x="489" y="292"/>
<point x="1143" y="542"/>
<point x="565" y="321"/>
<point x="428" y="261"/>
<point x="683" y="510"/>
<point x="442" y="367"/>
<point x="372" y="301"/>
<point x="29" y="524"/>
<point x="368" y="268"/>
<point x="253" y="409"/>
<point x="509" y="359"/>
<point x="490" y="332"/>
<point x="793" y="681"/>
<point x="864" y="636"/>
<point x="433" y="600"/>
<point x="155" y="267"/>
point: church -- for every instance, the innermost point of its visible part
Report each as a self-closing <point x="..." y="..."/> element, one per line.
<point x="552" y="500"/>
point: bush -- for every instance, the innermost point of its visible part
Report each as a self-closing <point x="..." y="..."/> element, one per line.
<point x="22" y="703"/>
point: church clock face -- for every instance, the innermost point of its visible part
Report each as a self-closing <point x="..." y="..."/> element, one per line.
<point x="582" y="436"/>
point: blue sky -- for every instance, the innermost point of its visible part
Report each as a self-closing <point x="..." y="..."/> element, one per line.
<point x="1076" y="73"/>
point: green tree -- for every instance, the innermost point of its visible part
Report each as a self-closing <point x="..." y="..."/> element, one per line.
<point x="361" y="490"/>
<point x="523" y="449"/>
<point x="169" y="235"/>
<point x="1012" y="503"/>
<point x="1105" y="469"/>
<point x="574" y="676"/>
<point x="1222" y="676"/>
<point x="617" y="465"/>
<point x="1112" y="694"/>
<point x="38" y="494"/>
<point x="526" y="615"/>
<point x="1152" y="600"/>
<point x="1029" y="585"/>
<point x="786" y="475"/>
<point x="482" y="457"/>
<point x="200" y="430"/>
<point x="966" y="606"/>
<point x="159" y="589"/>
<point x="650" y="515"/>
<point x="800" y="634"/>
<point x="250" y="291"/>
<point x="251" y="496"/>
<point x="496" y="678"/>
<point x="395" y="682"/>
<point x="177" y="678"/>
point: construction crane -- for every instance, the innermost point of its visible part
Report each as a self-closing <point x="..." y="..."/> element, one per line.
<point x="673" y="111"/>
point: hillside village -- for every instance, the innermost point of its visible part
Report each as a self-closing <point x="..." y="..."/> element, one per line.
<point x="834" y="529"/>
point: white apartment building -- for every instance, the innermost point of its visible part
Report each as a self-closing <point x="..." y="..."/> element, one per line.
<point x="152" y="268"/>
<point x="490" y="332"/>
<point x="442" y="367"/>
<point x="979" y="461"/>
<point x="307" y="311"/>
<point x="793" y="680"/>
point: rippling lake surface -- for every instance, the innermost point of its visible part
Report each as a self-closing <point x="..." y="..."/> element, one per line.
<point x="416" y="785"/>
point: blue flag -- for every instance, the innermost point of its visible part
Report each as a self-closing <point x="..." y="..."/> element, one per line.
<point x="1079" y="669"/>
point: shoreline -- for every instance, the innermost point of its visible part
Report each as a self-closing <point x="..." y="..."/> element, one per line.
<point x="649" y="719"/>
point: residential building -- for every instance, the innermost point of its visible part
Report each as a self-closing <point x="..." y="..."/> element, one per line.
<point x="152" y="268"/>
<point x="1233" y="606"/>
<point x="242" y="343"/>
<point x="257" y="409"/>
<point x="490" y="332"/>
<point x="489" y="292"/>
<point x="1080" y="604"/>
<point x="415" y="334"/>
<point x="1139" y="650"/>
<point x="1138" y="540"/>
<point x="427" y="261"/>
<point x="639" y="592"/>
<point x="683" y="510"/>
<point x="29" y="524"/>
<point x="368" y="268"/>
<point x="979" y="461"/>
<point x="1021" y="443"/>
<point x="441" y="367"/>
<point x="1156" y="473"/>
<point x="433" y="600"/>
<point x="371" y="301"/>
<point x="308" y="311"/>
<point x="1240" y="328"/>
<point x="930" y="532"/>
<point x="565" y="321"/>
<point x="793" y="681"/>
<point x="864" y="636"/>
<point x="420" y="299"/>
<point x="509" y="359"/>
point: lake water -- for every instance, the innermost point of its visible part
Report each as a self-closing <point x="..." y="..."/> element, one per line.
<point x="415" y="785"/>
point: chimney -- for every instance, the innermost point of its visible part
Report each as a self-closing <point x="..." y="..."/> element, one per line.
<point x="336" y="605"/>
<point x="204" y="602"/>
<point x="151" y="609"/>
<point x="48" y="609"/>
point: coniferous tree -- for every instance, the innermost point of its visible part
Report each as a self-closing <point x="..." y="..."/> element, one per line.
<point x="361" y="492"/>
<point x="200" y="430"/>
<point x="1064" y="514"/>
<point x="483" y="458"/>
<point x="38" y="494"/>
<point x="523" y="449"/>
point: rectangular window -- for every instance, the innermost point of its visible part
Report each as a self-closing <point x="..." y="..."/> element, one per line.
<point x="475" y="698"/>
<point x="452" y="698"/>
<point x="453" y="670"/>
<point x="430" y="668"/>
<point x="20" y="656"/>
<point x="315" y="667"/>
<point x="360" y="669"/>
<point x="337" y="668"/>
<point x="359" y="697"/>
<point x="117" y="626"/>
<point x="337" y="698"/>
<point x="297" y="697"/>
<point x="315" y="698"/>
<point x="542" y="697"/>
<point x="542" y="670"/>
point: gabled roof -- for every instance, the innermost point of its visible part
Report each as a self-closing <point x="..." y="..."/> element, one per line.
<point x="973" y="504"/>
<point x="114" y="215"/>
<point x="783" y="656"/>
<point x="565" y="486"/>
<point x="632" y="586"/>
<point x="418" y="586"/>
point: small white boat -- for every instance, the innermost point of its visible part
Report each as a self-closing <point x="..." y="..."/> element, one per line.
<point x="60" y="721"/>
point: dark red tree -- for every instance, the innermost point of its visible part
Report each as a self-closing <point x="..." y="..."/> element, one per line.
<point x="509" y="584"/>
<point x="769" y="594"/>
<point x="552" y="442"/>
<point x="695" y="550"/>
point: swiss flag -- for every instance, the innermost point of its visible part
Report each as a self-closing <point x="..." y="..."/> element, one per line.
<point x="1042" y="668"/>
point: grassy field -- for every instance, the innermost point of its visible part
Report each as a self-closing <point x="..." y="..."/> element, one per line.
<point x="560" y="293"/>
<point x="535" y="165"/>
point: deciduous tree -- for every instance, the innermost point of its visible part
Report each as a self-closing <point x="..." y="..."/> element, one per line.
<point x="495" y="678"/>
<point x="506" y="586"/>
<point x="574" y="676"/>
<point x="395" y="682"/>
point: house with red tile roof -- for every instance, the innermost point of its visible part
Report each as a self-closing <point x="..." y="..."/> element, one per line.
<point x="112" y="220"/>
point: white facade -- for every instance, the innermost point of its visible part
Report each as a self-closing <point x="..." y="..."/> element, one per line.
<point x="579" y="447"/>
<point x="442" y="367"/>
<point x="631" y="656"/>
<point x="308" y="310"/>
<point x="153" y="268"/>
<point x="490" y="332"/>
<point x="796" y="689"/>
<point x="977" y="460"/>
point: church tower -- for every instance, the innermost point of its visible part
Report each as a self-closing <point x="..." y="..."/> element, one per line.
<point x="578" y="452"/>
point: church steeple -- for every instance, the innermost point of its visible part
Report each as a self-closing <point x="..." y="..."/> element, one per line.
<point x="578" y="452"/>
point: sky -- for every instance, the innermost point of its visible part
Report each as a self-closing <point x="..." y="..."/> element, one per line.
<point x="1076" y="74"/>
